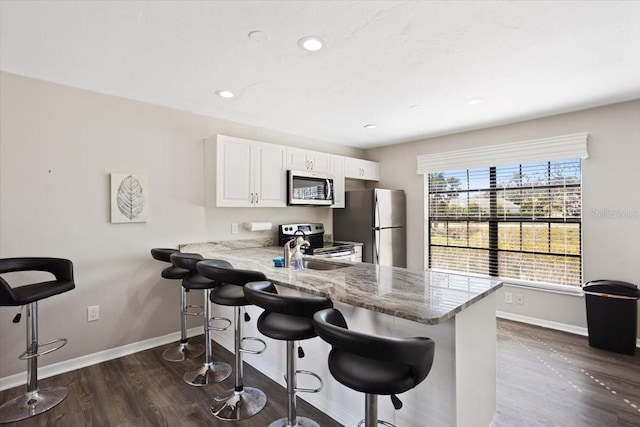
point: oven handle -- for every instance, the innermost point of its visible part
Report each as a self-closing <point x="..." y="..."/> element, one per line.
<point x="336" y="254"/>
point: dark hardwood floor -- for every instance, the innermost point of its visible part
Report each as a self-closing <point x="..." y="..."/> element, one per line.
<point x="545" y="378"/>
<point x="144" y="390"/>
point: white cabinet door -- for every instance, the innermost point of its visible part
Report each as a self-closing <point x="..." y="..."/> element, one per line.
<point x="299" y="159"/>
<point x="270" y="176"/>
<point x="320" y="162"/>
<point x="361" y="169"/>
<point x="337" y="170"/>
<point x="234" y="180"/>
<point x="249" y="173"/>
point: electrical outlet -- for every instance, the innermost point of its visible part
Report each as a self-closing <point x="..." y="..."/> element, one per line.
<point x="508" y="297"/>
<point x="519" y="299"/>
<point x="234" y="228"/>
<point x="93" y="313"/>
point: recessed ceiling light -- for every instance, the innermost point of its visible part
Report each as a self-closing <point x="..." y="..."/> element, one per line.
<point x="311" y="43"/>
<point x="225" y="94"/>
<point x="258" y="36"/>
<point x="475" y="101"/>
<point x="370" y="126"/>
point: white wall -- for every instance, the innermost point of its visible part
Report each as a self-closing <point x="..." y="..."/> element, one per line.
<point x="610" y="238"/>
<point x="57" y="148"/>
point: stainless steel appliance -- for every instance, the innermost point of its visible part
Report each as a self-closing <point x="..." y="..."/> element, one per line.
<point x="377" y="219"/>
<point x="314" y="234"/>
<point x="309" y="188"/>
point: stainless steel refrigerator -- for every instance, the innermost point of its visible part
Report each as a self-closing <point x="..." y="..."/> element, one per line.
<point x="377" y="219"/>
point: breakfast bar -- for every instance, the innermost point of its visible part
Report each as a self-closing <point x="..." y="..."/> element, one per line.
<point x="456" y="311"/>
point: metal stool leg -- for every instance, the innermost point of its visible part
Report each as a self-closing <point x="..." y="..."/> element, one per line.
<point x="371" y="413"/>
<point x="209" y="372"/>
<point x="292" y="419"/>
<point x="184" y="350"/>
<point x="34" y="401"/>
<point x="241" y="402"/>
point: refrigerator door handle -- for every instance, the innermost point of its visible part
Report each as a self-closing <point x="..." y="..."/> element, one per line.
<point x="376" y="227"/>
<point x="376" y="246"/>
<point x="376" y="215"/>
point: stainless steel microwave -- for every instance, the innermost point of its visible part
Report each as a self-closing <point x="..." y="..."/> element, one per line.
<point x="309" y="188"/>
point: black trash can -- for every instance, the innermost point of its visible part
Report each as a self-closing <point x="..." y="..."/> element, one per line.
<point x="612" y="315"/>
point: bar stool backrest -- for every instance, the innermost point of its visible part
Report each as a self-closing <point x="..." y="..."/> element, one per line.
<point x="415" y="352"/>
<point x="264" y="295"/>
<point x="228" y="275"/>
<point x="62" y="269"/>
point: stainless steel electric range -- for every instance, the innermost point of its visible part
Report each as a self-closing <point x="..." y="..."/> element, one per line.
<point x="314" y="234"/>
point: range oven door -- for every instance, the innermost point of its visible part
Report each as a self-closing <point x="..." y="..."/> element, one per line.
<point x="309" y="188"/>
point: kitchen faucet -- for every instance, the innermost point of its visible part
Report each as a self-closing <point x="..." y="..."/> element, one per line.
<point x="299" y="241"/>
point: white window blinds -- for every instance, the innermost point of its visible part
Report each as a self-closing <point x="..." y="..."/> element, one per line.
<point x="507" y="217"/>
<point x="535" y="150"/>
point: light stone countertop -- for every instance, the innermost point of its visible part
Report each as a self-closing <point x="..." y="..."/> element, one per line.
<point x="421" y="296"/>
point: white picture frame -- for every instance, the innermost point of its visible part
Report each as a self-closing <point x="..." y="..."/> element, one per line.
<point x="129" y="198"/>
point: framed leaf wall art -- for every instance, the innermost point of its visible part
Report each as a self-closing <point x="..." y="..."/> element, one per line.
<point x="129" y="198"/>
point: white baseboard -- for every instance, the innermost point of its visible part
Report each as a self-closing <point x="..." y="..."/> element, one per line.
<point x="577" y="330"/>
<point x="95" y="358"/>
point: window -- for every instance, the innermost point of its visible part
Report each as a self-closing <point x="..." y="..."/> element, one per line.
<point x="520" y="222"/>
<point x="512" y="211"/>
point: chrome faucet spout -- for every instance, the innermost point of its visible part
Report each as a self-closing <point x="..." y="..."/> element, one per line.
<point x="287" y="252"/>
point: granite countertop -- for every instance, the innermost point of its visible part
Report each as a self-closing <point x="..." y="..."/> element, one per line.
<point x="421" y="296"/>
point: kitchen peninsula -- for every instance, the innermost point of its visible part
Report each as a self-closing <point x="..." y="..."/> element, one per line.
<point x="456" y="311"/>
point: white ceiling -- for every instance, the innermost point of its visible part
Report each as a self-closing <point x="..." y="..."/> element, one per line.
<point x="524" y="59"/>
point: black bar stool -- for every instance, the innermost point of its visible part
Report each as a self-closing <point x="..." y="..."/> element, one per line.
<point x="374" y="365"/>
<point x="209" y="372"/>
<point x="34" y="401"/>
<point x="240" y="402"/>
<point x="289" y="319"/>
<point x="184" y="350"/>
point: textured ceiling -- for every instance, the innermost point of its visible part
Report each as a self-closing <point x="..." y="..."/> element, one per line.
<point x="408" y="66"/>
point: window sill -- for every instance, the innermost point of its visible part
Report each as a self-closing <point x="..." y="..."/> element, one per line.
<point x="546" y="287"/>
<point x="555" y="289"/>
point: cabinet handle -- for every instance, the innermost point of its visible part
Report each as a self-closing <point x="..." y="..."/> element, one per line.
<point x="256" y="198"/>
<point x="311" y="162"/>
<point x="251" y="201"/>
<point x="306" y="164"/>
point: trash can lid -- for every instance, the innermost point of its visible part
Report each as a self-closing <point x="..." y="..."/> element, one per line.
<point x="613" y="287"/>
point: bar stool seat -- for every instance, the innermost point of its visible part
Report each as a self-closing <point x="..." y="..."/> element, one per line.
<point x="288" y="318"/>
<point x="34" y="401"/>
<point x="240" y="402"/>
<point x="373" y="364"/>
<point x="184" y="350"/>
<point x="209" y="372"/>
<point x="285" y="327"/>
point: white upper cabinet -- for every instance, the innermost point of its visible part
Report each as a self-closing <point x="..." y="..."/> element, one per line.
<point x="312" y="161"/>
<point x="249" y="173"/>
<point x="244" y="173"/>
<point x="270" y="185"/>
<point x="361" y="169"/>
<point x="337" y="170"/>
